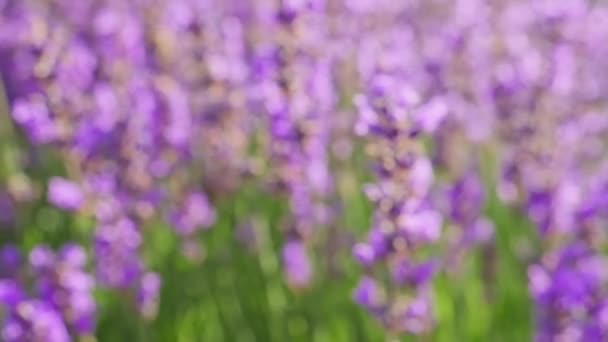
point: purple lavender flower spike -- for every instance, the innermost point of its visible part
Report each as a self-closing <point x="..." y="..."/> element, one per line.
<point x="567" y="285"/>
<point x="541" y="125"/>
<point x="295" y="77"/>
<point x="42" y="259"/>
<point x="61" y="303"/>
<point x="116" y="248"/>
<point x="462" y="203"/>
<point x="414" y="275"/>
<point x="392" y="118"/>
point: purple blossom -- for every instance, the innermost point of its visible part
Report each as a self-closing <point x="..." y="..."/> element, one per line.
<point x="61" y="301"/>
<point x="369" y="295"/>
<point x="63" y="283"/>
<point x="295" y="78"/>
<point x="542" y="169"/>
<point x="65" y="194"/>
<point x="297" y="265"/>
<point x="462" y="202"/>
<point x="34" y="320"/>
<point x="33" y="115"/>
<point x="567" y="285"/>
<point x="116" y="250"/>
<point x="194" y="213"/>
<point x="413" y="275"/>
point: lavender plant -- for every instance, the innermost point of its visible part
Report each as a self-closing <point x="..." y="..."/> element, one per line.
<point x="298" y="99"/>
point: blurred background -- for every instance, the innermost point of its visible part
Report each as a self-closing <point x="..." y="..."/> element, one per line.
<point x="303" y="170"/>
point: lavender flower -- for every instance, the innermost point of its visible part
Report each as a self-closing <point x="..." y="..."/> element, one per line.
<point x="296" y="78"/>
<point x="369" y="295"/>
<point x="403" y="219"/>
<point x="65" y="194"/>
<point x="116" y="248"/>
<point x="34" y="320"/>
<point x="566" y="288"/>
<point x="61" y="303"/>
<point x="63" y="283"/>
<point x="462" y="203"/>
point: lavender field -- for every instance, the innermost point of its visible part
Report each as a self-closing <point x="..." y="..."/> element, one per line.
<point x="303" y="170"/>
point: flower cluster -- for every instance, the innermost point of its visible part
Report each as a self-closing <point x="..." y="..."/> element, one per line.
<point x="131" y="98"/>
<point x="59" y="305"/>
